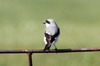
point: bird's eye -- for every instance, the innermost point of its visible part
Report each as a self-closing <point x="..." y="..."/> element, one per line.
<point x="47" y="22"/>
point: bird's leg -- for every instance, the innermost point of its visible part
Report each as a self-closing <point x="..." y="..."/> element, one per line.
<point x="55" y="47"/>
<point x="48" y="45"/>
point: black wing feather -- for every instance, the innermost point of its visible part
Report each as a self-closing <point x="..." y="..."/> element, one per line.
<point x="50" y="39"/>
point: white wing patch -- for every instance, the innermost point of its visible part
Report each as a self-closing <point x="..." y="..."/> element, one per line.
<point x="45" y="40"/>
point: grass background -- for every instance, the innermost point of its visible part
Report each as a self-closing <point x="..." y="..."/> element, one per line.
<point x="21" y="28"/>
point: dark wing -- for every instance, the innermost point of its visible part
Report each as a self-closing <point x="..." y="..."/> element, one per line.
<point x="50" y="39"/>
<point x="56" y="35"/>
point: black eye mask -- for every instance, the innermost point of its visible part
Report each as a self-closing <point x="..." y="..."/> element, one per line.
<point x="47" y="22"/>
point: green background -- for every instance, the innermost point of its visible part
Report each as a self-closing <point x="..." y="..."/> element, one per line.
<point x="21" y="28"/>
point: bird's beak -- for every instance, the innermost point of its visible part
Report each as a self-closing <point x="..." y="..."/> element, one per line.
<point x="44" y="22"/>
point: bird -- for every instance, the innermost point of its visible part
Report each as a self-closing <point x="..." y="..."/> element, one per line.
<point x="51" y="34"/>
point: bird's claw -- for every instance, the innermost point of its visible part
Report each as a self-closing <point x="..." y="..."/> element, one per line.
<point x="56" y="49"/>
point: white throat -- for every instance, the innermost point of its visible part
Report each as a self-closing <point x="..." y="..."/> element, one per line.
<point x="47" y="25"/>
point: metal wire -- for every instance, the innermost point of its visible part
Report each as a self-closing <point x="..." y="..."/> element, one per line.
<point x="30" y="52"/>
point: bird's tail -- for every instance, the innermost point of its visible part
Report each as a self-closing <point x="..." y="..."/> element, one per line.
<point x="47" y="47"/>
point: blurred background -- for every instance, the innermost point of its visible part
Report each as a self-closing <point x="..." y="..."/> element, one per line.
<point x="21" y="28"/>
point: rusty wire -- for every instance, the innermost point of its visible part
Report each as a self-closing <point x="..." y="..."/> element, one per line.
<point x="51" y="51"/>
<point x="30" y="52"/>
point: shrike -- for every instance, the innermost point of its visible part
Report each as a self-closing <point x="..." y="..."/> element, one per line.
<point x="51" y="34"/>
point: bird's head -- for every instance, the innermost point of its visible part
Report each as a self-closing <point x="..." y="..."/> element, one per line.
<point x="49" y="22"/>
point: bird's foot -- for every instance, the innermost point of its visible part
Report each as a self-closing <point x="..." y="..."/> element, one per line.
<point x="46" y="50"/>
<point x="56" y="50"/>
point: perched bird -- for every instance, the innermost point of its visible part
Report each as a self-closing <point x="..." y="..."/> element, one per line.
<point x="51" y="34"/>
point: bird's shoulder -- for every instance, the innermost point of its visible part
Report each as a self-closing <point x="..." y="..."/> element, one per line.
<point x="52" y="30"/>
<point x="52" y="33"/>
